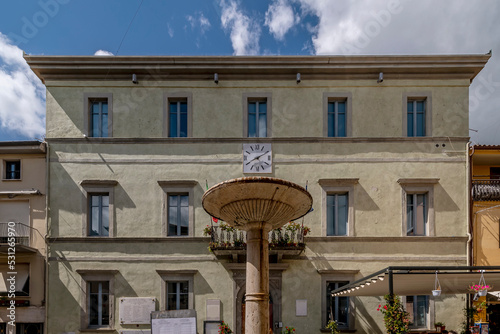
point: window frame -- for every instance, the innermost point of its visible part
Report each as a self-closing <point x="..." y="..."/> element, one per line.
<point x="93" y="187"/>
<point x="430" y="312"/>
<point x="170" y="276"/>
<point x="257" y="97"/>
<point x="418" y="96"/>
<point x="21" y="267"/>
<point x="338" y="97"/>
<point x="177" y="97"/>
<point x="175" y="188"/>
<point x="91" y="195"/>
<point x="336" y="213"/>
<point x="88" y="276"/>
<point x="5" y="170"/>
<point x="328" y="276"/>
<point x="418" y="186"/>
<point x="87" y="98"/>
<point x="338" y="186"/>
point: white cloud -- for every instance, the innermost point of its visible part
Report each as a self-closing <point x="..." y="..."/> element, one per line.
<point x="245" y="32"/>
<point x="170" y="31"/>
<point x="280" y="18"/>
<point x="199" y="20"/>
<point x="22" y="95"/>
<point x="103" y="53"/>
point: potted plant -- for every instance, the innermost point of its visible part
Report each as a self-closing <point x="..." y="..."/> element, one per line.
<point x="439" y="326"/>
<point x="333" y="327"/>
<point x="288" y="330"/>
<point x="481" y="290"/>
<point x="224" y="329"/>
<point x="396" y="319"/>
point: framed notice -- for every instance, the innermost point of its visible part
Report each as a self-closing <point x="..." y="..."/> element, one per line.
<point x="211" y="327"/>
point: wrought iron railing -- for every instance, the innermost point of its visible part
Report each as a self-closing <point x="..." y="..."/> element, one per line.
<point x="486" y="190"/>
<point x="229" y="238"/>
<point x="22" y="233"/>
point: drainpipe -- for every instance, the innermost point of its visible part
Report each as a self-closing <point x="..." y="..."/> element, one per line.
<point x="47" y="173"/>
<point x="470" y="228"/>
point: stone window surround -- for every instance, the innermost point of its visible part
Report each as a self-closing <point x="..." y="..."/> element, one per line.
<point x="412" y="96"/>
<point x="87" y="114"/>
<point x="177" y="187"/>
<point x="341" y="96"/>
<point x="97" y="186"/>
<point x="96" y="275"/>
<point x="4" y="169"/>
<point x="176" y="276"/>
<point x="248" y="97"/>
<point x="177" y="96"/>
<point x="337" y="186"/>
<point x="337" y="276"/>
<point x="418" y="186"/>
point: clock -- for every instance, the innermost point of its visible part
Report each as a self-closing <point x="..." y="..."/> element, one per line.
<point x="257" y="158"/>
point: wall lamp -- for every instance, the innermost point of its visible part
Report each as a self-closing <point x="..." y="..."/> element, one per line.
<point x="216" y="78"/>
<point x="134" y="79"/>
<point x="298" y="77"/>
<point x="380" y="77"/>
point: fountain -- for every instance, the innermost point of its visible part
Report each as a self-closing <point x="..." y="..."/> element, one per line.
<point x="257" y="205"/>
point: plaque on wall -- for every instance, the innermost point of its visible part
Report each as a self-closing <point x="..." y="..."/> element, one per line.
<point x="136" y="311"/>
<point x="136" y="331"/>
<point x="173" y="322"/>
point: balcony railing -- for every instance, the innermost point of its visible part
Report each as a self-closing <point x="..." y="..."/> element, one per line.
<point x="24" y="236"/>
<point x="486" y="190"/>
<point x="232" y="238"/>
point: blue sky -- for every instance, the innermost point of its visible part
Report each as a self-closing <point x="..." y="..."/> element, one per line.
<point x="232" y="27"/>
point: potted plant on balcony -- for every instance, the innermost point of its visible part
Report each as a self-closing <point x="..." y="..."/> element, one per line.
<point x="333" y="327"/>
<point x="224" y="329"/>
<point x="396" y="319"/>
<point x="439" y="326"/>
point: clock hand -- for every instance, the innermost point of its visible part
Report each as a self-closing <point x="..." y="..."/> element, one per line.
<point x="257" y="158"/>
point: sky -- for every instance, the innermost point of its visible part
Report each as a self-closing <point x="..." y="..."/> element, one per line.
<point x="242" y="27"/>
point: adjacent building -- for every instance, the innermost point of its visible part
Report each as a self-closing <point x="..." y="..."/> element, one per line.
<point x="485" y="219"/>
<point x="380" y="142"/>
<point x="22" y="236"/>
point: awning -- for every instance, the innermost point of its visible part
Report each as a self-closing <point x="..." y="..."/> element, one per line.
<point x="407" y="281"/>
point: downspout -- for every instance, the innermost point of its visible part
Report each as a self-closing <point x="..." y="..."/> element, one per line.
<point x="47" y="173"/>
<point x="470" y="227"/>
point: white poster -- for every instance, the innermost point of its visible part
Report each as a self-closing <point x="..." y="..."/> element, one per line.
<point x="173" y="326"/>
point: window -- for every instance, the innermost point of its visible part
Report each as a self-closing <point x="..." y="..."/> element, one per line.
<point x="336" y="118"/>
<point x="99" y="114"/>
<point x="12" y="170"/>
<point x="177" y="295"/>
<point x="341" y="309"/>
<point x="494" y="173"/>
<point x="28" y="328"/>
<point x="177" y="289"/>
<point x="337" y="206"/>
<point x="178" y="214"/>
<point x="418" y="206"/>
<point x="416" y="118"/>
<point x="178" y="208"/>
<point x="337" y="114"/>
<point x="257" y="115"/>
<point x="178" y="115"/>
<point x="99" y="215"/>
<point x="97" y="300"/>
<point x="337" y="307"/>
<point x="98" y="309"/>
<point x="22" y="280"/>
<point x="418" y="309"/>
<point x="257" y="118"/>
<point x="416" y="214"/>
<point x="417" y="115"/>
<point x="337" y="214"/>
<point x="98" y="212"/>
<point x="99" y="118"/>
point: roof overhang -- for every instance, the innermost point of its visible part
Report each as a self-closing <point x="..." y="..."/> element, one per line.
<point x="22" y="147"/>
<point x="256" y="67"/>
<point x="14" y="193"/>
<point x="420" y="281"/>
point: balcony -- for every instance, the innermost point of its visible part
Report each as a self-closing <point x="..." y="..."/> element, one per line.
<point x="229" y="243"/>
<point x="24" y="237"/>
<point x="486" y="190"/>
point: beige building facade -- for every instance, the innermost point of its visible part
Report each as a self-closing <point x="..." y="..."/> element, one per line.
<point x="380" y="142"/>
<point x="22" y="236"/>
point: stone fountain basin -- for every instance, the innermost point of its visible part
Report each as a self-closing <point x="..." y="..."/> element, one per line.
<point x="246" y="200"/>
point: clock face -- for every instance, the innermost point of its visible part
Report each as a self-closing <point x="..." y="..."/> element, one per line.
<point x="257" y="158"/>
